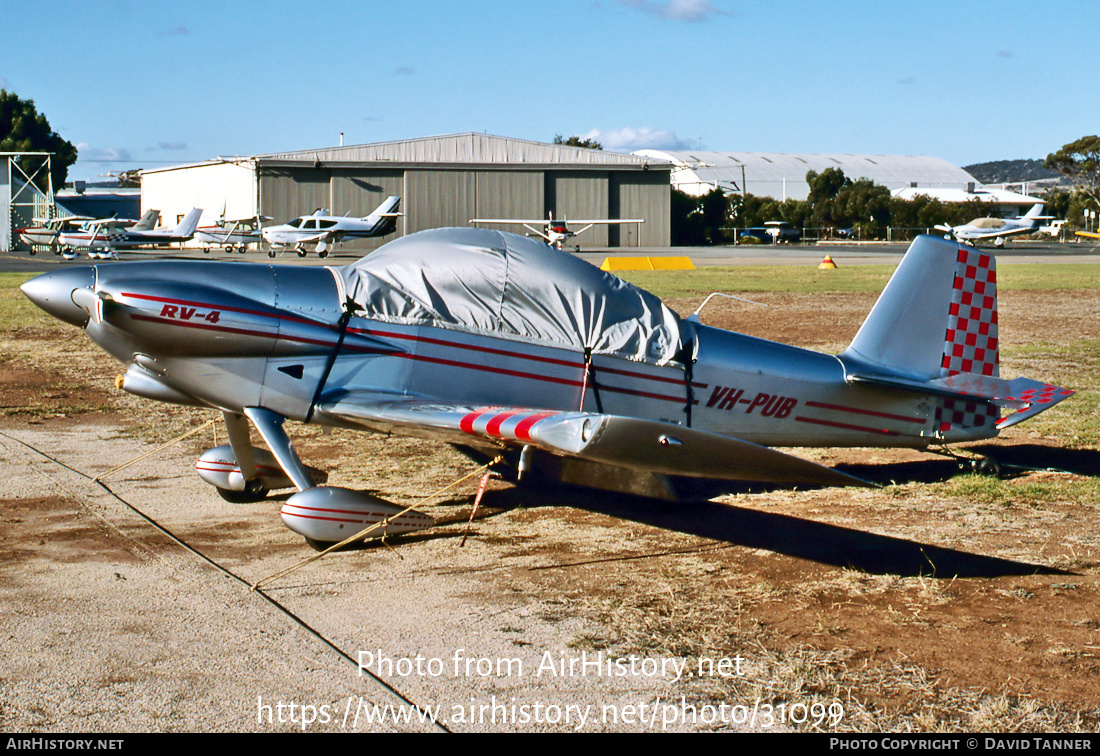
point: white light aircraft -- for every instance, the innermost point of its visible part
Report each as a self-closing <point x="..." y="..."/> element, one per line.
<point x="103" y="240"/>
<point x="323" y="229"/>
<point x="555" y="233"/>
<point x="995" y="230"/>
<point x="46" y="230"/>
<point x="234" y="235"/>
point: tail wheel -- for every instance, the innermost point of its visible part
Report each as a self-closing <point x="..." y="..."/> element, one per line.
<point x="989" y="467"/>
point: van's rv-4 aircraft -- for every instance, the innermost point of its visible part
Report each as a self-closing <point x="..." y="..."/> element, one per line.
<point x="995" y="230"/>
<point x="323" y="229"/>
<point x="557" y="232"/>
<point x="501" y="345"/>
<point x="102" y="240"/>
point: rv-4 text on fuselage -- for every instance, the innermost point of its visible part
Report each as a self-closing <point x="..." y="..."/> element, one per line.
<point x="500" y="344"/>
<point x="323" y="229"/>
<point x="996" y="230"/>
<point x="103" y="240"/>
<point x="557" y="232"/>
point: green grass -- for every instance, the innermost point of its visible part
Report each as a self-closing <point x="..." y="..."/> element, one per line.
<point x="1036" y="494"/>
<point x="851" y="278"/>
<point x="16" y="311"/>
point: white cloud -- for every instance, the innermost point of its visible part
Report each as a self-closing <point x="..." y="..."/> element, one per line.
<point x="89" y="154"/>
<point x="678" y="10"/>
<point x="628" y="139"/>
<point x="172" y="145"/>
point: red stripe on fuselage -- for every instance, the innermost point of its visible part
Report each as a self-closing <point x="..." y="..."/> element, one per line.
<point x="870" y="413"/>
<point x="846" y="426"/>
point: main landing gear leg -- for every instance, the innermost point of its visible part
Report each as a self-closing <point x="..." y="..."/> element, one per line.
<point x="978" y="464"/>
<point x="270" y="426"/>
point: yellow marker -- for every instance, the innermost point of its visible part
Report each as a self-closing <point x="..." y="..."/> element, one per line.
<point x="647" y="263"/>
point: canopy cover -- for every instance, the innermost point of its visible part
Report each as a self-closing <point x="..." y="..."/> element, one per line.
<point x="499" y="284"/>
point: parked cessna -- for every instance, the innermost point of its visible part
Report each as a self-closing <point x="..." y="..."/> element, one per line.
<point x="321" y="229"/>
<point x="996" y="230"/>
<point x="46" y="231"/>
<point x="103" y="240"/>
<point x="49" y="233"/>
<point x="553" y="232"/>
<point x="502" y="345"/>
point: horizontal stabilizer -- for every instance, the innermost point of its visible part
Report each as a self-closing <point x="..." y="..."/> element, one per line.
<point x="1025" y="396"/>
<point x="635" y="443"/>
<point x="1035" y="396"/>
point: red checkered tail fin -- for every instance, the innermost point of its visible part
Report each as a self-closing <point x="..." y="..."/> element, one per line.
<point x="937" y="316"/>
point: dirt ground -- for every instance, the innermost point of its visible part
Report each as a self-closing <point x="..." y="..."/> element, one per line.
<point x="913" y="607"/>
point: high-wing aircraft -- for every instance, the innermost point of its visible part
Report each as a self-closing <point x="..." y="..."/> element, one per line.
<point x="49" y="233"/>
<point x="996" y="230"/>
<point x="46" y="230"/>
<point x="323" y="229"/>
<point x="233" y="235"/>
<point x="103" y="239"/>
<point x="555" y="233"/>
<point x="502" y="345"/>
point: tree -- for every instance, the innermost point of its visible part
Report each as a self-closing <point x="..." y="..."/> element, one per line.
<point x="576" y="141"/>
<point x="24" y="129"/>
<point x="1080" y="161"/>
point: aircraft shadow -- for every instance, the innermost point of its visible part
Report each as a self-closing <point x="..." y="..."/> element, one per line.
<point x="819" y="542"/>
<point x="1036" y="457"/>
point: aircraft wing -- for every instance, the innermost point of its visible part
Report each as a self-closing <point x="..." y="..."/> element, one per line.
<point x="1088" y="234"/>
<point x="322" y="236"/>
<point x="625" y="442"/>
<point x="601" y="221"/>
<point x="541" y="221"/>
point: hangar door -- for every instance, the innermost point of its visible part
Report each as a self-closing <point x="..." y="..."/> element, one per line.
<point x="286" y="193"/>
<point x="640" y="195"/>
<point x="579" y="194"/>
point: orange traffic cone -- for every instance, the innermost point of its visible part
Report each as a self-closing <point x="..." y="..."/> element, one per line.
<point x="827" y="264"/>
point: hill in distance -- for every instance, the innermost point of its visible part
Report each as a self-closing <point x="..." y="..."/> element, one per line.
<point x="1010" y="171"/>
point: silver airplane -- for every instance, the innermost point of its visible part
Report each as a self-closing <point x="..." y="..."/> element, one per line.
<point x="501" y="345"/>
<point x="323" y="229"/>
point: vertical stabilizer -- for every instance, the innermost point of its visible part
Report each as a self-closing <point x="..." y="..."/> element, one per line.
<point x="937" y="316"/>
<point x="189" y="223"/>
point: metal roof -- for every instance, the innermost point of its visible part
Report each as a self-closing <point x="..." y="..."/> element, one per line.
<point x="783" y="174"/>
<point x="470" y="148"/>
<point x="984" y="194"/>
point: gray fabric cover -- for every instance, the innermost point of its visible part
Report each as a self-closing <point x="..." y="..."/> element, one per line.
<point x="484" y="281"/>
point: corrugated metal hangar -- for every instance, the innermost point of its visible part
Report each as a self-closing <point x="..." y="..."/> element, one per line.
<point x="442" y="181"/>
<point x="783" y="175"/>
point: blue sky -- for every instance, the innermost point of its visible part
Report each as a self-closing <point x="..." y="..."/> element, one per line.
<point x="143" y="83"/>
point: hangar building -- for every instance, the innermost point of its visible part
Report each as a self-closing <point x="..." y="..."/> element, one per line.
<point x="783" y="175"/>
<point x="442" y="181"/>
